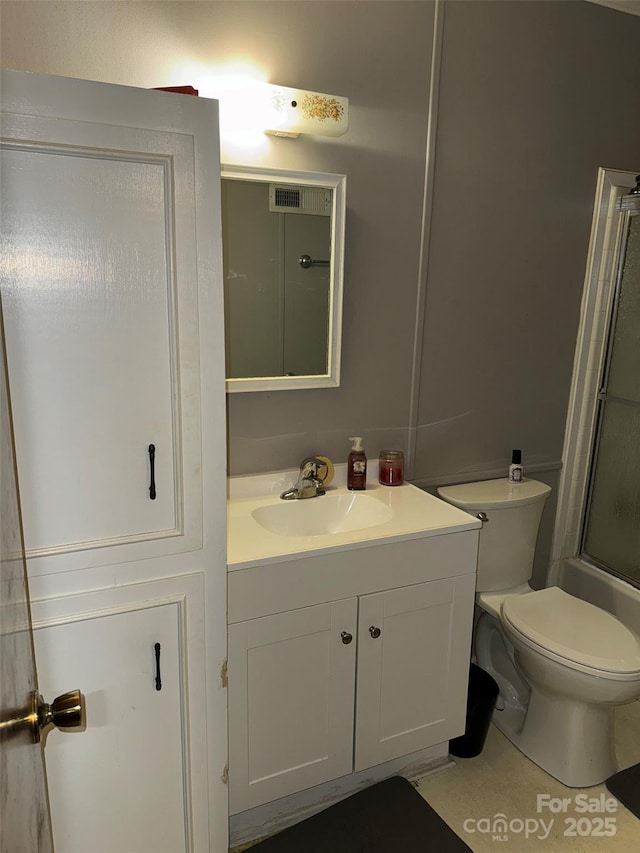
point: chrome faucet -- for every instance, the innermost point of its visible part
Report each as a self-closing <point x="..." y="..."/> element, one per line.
<point x="309" y="485"/>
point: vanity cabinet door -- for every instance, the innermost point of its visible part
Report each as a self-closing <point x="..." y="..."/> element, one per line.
<point x="413" y="665"/>
<point x="291" y="701"/>
<point x="120" y="785"/>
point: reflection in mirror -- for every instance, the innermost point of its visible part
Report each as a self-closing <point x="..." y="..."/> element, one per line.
<point x="283" y="247"/>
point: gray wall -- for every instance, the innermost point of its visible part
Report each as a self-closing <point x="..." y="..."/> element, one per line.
<point x="376" y="53"/>
<point x="379" y="55"/>
<point x="533" y="98"/>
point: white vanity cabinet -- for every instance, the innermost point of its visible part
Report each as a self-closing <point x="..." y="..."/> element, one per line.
<point x="328" y="689"/>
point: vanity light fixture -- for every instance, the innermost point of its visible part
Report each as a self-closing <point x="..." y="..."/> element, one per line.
<point x="290" y="112"/>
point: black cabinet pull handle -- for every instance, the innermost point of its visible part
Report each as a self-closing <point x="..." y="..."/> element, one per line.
<point x="152" y="466"/>
<point x="156" y="648"/>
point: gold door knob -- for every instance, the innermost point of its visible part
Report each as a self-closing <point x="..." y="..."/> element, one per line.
<point x="65" y="712"/>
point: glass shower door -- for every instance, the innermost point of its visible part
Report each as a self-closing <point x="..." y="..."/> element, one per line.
<point x="611" y="535"/>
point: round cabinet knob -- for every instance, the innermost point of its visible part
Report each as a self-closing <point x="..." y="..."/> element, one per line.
<point x="375" y="632"/>
<point x="346" y="637"/>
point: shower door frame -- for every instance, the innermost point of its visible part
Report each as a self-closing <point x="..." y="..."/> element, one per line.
<point x="591" y="352"/>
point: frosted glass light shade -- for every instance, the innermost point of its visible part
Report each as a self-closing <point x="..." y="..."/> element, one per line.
<point x="290" y="112"/>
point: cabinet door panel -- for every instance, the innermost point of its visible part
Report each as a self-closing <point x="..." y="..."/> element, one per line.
<point x="291" y="699"/>
<point x="113" y="378"/>
<point x="412" y="678"/>
<point x="98" y="241"/>
<point x="118" y="786"/>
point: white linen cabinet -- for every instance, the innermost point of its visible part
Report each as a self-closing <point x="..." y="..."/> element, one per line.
<point x="112" y="295"/>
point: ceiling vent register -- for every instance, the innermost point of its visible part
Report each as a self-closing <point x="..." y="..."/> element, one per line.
<point x="292" y="199"/>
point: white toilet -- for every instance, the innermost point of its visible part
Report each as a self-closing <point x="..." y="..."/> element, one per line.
<point x="562" y="664"/>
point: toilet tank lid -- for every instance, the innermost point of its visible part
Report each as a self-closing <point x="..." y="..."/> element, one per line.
<point x="494" y="494"/>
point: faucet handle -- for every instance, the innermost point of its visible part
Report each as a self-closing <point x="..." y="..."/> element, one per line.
<point x="309" y="467"/>
<point x="319" y="467"/>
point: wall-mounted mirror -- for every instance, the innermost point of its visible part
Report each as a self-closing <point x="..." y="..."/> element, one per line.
<point x="283" y="248"/>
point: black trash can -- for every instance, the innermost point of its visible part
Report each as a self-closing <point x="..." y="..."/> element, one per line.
<point x="481" y="700"/>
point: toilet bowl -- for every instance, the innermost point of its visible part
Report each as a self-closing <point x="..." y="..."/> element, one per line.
<point x="562" y="664"/>
<point x="559" y="688"/>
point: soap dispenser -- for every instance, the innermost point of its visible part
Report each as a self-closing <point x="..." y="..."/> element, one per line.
<point x="357" y="466"/>
<point x="516" y="471"/>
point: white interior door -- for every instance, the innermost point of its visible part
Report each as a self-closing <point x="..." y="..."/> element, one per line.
<point x="111" y="267"/>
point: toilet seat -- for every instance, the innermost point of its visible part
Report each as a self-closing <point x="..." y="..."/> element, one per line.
<point x="574" y="632"/>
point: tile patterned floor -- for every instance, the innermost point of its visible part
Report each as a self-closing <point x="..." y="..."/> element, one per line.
<point x="503" y="781"/>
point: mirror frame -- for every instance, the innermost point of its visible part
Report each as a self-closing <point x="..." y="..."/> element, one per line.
<point x="337" y="183"/>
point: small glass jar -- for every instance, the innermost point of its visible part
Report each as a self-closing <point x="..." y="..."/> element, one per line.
<point x="391" y="468"/>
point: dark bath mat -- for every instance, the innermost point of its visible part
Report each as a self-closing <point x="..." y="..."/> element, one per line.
<point x="386" y="818"/>
<point x="625" y="786"/>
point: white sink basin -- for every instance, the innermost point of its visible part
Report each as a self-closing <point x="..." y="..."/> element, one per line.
<point x="262" y="528"/>
<point x="323" y="515"/>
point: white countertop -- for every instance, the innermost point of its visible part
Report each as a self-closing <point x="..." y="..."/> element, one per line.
<point x="416" y="514"/>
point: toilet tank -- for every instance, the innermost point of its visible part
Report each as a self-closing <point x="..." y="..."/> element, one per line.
<point x="508" y="536"/>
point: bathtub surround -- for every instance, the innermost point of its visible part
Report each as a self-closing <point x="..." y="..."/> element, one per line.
<point x="567" y="568"/>
<point x="606" y="591"/>
<point x="599" y="300"/>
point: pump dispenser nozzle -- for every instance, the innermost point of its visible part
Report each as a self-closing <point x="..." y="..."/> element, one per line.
<point x="357" y="445"/>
